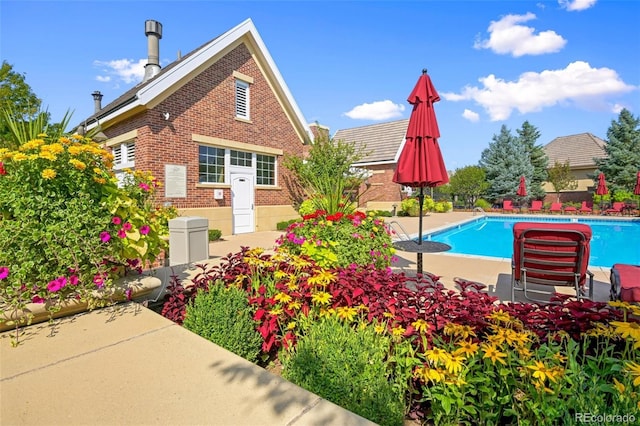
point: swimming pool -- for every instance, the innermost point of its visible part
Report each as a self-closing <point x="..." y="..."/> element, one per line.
<point x="613" y="241"/>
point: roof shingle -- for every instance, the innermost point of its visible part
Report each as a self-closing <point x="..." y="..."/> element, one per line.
<point x="382" y="140"/>
<point x="579" y="150"/>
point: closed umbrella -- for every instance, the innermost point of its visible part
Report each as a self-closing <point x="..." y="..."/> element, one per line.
<point x="636" y="189"/>
<point x="420" y="163"/>
<point x="522" y="188"/>
<point x="601" y="189"/>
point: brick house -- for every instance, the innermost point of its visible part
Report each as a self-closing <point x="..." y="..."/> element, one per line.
<point x="213" y="127"/>
<point x="383" y="143"/>
<point x="579" y="150"/>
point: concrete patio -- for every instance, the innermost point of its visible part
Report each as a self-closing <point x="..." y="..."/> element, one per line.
<point x="127" y="365"/>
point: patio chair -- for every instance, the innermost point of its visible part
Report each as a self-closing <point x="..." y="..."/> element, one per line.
<point x="536" y="206"/>
<point x="616" y="208"/>
<point x="570" y="209"/>
<point x="507" y="206"/>
<point x="556" y="208"/>
<point x="551" y="254"/>
<point x="586" y="208"/>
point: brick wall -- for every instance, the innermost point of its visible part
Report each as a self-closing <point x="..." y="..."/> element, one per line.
<point x="206" y="106"/>
<point x="381" y="186"/>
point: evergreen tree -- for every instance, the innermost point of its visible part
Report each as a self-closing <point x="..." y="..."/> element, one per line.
<point x="529" y="135"/>
<point x="504" y="161"/>
<point x="623" y="153"/>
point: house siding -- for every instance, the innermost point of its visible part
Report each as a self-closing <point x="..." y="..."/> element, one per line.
<point x="205" y="105"/>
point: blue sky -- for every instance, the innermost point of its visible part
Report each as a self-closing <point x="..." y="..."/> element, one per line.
<point x="565" y="66"/>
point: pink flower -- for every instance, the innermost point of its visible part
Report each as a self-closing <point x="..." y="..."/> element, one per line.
<point x="128" y="293"/>
<point x="57" y="284"/>
<point x="4" y="272"/>
<point x="116" y="220"/>
<point x="37" y="299"/>
<point x="105" y="236"/>
<point x="98" y="280"/>
<point x="122" y="233"/>
<point x="73" y="280"/>
<point x="144" y="186"/>
<point x="127" y="226"/>
<point x="144" y="229"/>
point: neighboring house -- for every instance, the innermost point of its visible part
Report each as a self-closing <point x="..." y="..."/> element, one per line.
<point x="383" y="142"/>
<point x="579" y="150"/>
<point x="213" y="127"/>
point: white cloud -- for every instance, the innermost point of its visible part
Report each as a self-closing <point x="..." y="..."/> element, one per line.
<point x="617" y="108"/>
<point x="578" y="84"/>
<point x="103" y="78"/>
<point x="471" y="115"/>
<point x="507" y="36"/>
<point x="124" y="70"/>
<point x="576" y="5"/>
<point x="379" y="110"/>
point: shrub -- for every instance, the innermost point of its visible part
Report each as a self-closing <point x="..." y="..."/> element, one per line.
<point x="483" y="204"/>
<point x="68" y="229"/>
<point x="223" y="316"/>
<point x="340" y="240"/>
<point x="380" y="213"/>
<point x="347" y="367"/>
<point x="410" y="207"/>
<point x="214" y="234"/>
<point x="282" y="226"/>
<point x="443" y="206"/>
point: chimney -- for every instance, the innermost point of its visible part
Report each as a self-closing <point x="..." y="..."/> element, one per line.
<point x="97" y="101"/>
<point x="319" y="131"/>
<point x="153" y="31"/>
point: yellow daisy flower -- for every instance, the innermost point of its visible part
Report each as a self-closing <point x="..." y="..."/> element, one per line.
<point x="48" y="174"/>
<point x="436" y="355"/>
<point x="500" y="316"/>
<point x="398" y="331"/>
<point x="633" y="369"/>
<point x="466" y="348"/>
<point x="454" y="363"/>
<point x="420" y="325"/>
<point x="282" y="297"/>
<point x="627" y="329"/>
<point x="346" y="312"/>
<point x="321" y="297"/>
<point x="492" y="352"/>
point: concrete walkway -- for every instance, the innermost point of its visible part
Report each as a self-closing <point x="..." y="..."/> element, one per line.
<point x="127" y="365"/>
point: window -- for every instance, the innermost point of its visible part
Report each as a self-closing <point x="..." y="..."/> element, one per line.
<point x="265" y="169"/>
<point x="211" y="164"/>
<point x="242" y="99"/>
<point x="240" y="158"/>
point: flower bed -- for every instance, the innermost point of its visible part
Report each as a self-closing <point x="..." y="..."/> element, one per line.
<point x="463" y="356"/>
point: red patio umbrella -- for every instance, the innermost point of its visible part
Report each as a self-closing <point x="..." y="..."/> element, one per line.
<point x="636" y="189"/>
<point x="420" y="163"/>
<point x="601" y="189"/>
<point x="522" y="188"/>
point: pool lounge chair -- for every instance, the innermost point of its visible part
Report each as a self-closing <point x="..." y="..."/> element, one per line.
<point x="536" y="206"/>
<point x="551" y="254"/>
<point x="570" y="209"/>
<point x="507" y="206"/>
<point x="556" y="208"/>
<point x="625" y="282"/>
<point x="586" y="208"/>
<point x="615" y="209"/>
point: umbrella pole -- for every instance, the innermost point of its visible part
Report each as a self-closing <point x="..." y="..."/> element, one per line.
<point x="420" y="203"/>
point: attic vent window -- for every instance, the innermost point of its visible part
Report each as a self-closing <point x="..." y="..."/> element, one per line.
<point x="242" y="100"/>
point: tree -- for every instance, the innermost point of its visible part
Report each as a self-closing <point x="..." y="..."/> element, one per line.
<point x="559" y="176"/>
<point x="468" y="183"/>
<point x="17" y="98"/>
<point x="327" y="172"/>
<point x="504" y="161"/>
<point x="623" y="153"/>
<point x="528" y="135"/>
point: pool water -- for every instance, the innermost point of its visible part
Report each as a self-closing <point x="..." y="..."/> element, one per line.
<point x="613" y="241"/>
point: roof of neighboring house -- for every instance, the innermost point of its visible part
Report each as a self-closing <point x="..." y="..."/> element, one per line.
<point x="383" y="140"/>
<point x="579" y="150"/>
<point x="148" y="94"/>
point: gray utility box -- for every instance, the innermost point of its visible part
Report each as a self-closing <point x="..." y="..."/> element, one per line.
<point x="188" y="240"/>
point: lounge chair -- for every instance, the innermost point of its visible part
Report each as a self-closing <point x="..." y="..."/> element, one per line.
<point x="551" y="254"/>
<point x="570" y="209"/>
<point x="586" y="208"/>
<point x="625" y="282"/>
<point x="507" y="206"/>
<point x="556" y="208"/>
<point x="536" y="206"/>
<point x="615" y="209"/>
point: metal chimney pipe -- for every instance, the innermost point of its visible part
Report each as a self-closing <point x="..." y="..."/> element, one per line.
<point x="97" y="101"/>
<point x="153" y="31"/>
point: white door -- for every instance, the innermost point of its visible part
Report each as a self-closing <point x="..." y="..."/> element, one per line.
<point x="242" y="199"/>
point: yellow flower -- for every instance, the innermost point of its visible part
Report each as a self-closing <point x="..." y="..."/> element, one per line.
<point x="298" y="262"/>
<point x="398" y="331"/>
<point x="74" y="150"/>
<point x="47" y="156"/>
<point x="388" y="314"/>
<point x="542" y="373"/>
<point x="280" y="274"/>
<point x="491" y="352"/>
<point x="48" y="174"/>
<point x="326" y="312"/>
<point x="276" y="311"/>
<point x="524" y="353"/>
<point x="379" y="328"/>
<point x="32" y="144"/>
<point x="454" y="363"/>
<point x="54" y="148"/>
<point x="467" y="348"/>
<point x="427" y="373"/>
<point x="436" y="355"/>
<point x="420" y="325"/>
<point x="282" y="297"/>
<point x="346" y="312"/>
<point x="291" y="325"/>
<point x="618" y="386"/>
<point x="78" y="164"/>
<point x="627" y="329"/>
<point x="294" y="305"/>
<point x="64" y="140"/>
<point x="500" y="316"/>
<point x="559" y="357"/>
<point x="323" y="277"/>
<point x="18" y="156"/>
<point x="101" y="181"/>
<point x="619" y="304"/>
<point x="321" y="297"/>
<point x="634" y="370"/>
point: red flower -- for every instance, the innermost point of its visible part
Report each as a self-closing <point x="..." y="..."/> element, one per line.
<point x="335" y="217"/>
<point x="2" y="169"/>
